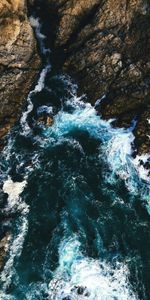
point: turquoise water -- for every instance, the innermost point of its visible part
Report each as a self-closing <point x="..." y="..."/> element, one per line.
<point x="81" y="226"/>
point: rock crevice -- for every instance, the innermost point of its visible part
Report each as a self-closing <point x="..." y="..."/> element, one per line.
<point x="19" y="61"/>
<point x="19" y="65"/>
<point x="105" y="46"/>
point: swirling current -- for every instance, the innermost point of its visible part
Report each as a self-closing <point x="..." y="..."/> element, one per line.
<point x="79" y="201"/>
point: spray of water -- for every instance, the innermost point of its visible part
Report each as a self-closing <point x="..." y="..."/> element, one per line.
<point x="79" y="277"/>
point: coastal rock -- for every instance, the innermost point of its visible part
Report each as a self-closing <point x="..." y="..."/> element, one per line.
<point x="19" y="64"/>
<point x="19" y="61"/>
<point x="46" y="120"/>
<point x="105" y="46"/>
<point x="4" y="242"/>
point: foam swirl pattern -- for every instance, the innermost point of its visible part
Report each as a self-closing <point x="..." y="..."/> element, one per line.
<point x="81" y="202"/>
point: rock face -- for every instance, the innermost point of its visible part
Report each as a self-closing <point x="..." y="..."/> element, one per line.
<point x="105" y="45"/>
<point x="19" y="64"/>
<point x="19" y="61"/>
<point x="4" y="242"/>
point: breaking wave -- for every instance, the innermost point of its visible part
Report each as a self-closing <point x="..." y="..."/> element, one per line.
<point x="79" y="277"/>
<point x="78" y="176"/>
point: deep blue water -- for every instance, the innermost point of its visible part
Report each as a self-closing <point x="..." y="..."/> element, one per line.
<point x="81" y="225"/>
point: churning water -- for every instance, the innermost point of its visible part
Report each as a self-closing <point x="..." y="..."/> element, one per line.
<point x="80" y="201"/>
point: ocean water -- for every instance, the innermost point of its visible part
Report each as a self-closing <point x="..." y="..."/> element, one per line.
<point x="80" y="202"/>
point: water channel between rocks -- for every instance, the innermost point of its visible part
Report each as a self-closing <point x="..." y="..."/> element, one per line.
<point x="81" y="202"/>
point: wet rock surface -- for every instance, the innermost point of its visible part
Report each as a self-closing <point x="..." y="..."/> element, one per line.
<point x="19" y="61"/>
<point x="105" y="46"/>
<point x="46" y="120"/>
<point x="19" y="64"/>
<point x="3" y="249"/>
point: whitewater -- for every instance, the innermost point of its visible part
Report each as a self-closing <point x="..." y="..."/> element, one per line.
<point x="75" y="191"/>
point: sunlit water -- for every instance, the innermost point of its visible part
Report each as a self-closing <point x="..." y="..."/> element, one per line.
<point x="80" y="201"/>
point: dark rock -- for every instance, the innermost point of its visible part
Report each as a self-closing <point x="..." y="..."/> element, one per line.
<point x="19" y="61"/>
<point x="3" y="248"/>
<point x="80" y="290"/>
<point x="3" y="199"/>
<point x="19" y="65"/>
<point x="45" y="119"/>
<point x="105" y="46"/>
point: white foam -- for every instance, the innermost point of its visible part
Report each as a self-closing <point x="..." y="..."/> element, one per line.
<point x="13" y="189"/>
<point x="101" y="280"/>
<point x="118" y="152"/>
<point x="98" y="101"/>
<point x="115" y="148"/>
<point x="44" y="108"/>
<point x="15" y="251"/>
<point x="117" y="142"/>
<point x="38" y="88"/>
<point x="35" y="22"/>
<point x="143" y="172"/>
<point x="4" y="296"/>
<point x="41" y="82"/>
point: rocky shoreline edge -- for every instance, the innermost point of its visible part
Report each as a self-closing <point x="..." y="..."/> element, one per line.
<point x="19" y="67"/>
<point x="103" y="45"/>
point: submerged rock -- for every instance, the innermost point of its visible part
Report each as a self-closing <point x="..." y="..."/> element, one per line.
<point x="105" y="46"/>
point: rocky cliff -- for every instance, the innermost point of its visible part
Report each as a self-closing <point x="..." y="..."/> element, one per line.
<point x="19" y="61"/>
<point x="19" y="64"/>
<point x="105" y="45"/>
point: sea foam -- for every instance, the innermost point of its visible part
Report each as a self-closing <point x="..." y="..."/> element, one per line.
<point x="116" y="144"/>
<point x="80" y="277"/>
<point x="13" y="189"/>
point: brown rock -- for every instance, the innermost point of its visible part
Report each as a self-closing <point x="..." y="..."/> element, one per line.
<point x="19" y="64"/>
<point x="106" y="48"/>
<point x="49" y="121"/>
<point x="46" y="120"/>
<point x="4" y="242"/>
<point x="19" y="61"/>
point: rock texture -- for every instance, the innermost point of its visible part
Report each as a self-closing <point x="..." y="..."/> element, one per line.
<point x="105" y="45"/>
<point x="19" y="64"/>
<point x="4" y="242"/>
<point x="19" y="61"/>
